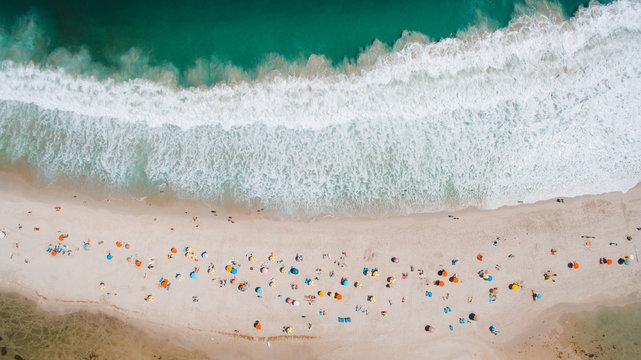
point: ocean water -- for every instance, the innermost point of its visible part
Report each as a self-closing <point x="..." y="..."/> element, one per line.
<point x="607" y="333"/>
<point x="27" y="332"/>
<point x="335" y="108"/>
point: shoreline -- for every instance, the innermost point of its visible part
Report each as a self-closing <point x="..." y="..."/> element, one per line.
<point x="424" y="241"/>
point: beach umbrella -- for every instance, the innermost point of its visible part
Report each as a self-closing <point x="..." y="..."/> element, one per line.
<point x="259" y="290"/>
<point x="338" y="296"/>
<point x="429" y="328"/>
<point x="109" y="257"/>
<point x="294" y="271"/>
<point x="395" y="260"/>
<point x="193" y="275"/>
<point x="321" y="293"/>
<point x="118" y="243"/>
<point x="576" y="265"/>
<point x="331" y="294"/>
<point x="358" y="285"/>
<point x="271" y="257"/>
<point x="489" y="278"/>
<point x="179" y="277"/>
<point x="264" y="270"/>
<point x="371" y="299"/>
<point x="234" y="271"/>
<point x="344" y="282"/>
<point x="272" y="284"/>
<point x="310" y="283"/>
<point x="164" y="283"/>
<point x="241" y="287"/>
<point x="295" y="303"/>
<point x="288" y="330"/>
<point x="228" y="268"/>
<point x="608" y="261"/>
<point x="365" y="270"/>
<point x="391" y="280"/>
<point x="257" y="325"/>
<point x="289" y="300"/>
<point x="454" y="279"/>
<point x="627" y="261"/>
<point x="173" y="250"/>
<point x="54" y="253"/>
<point x="86" y="246"/>
<point x="283" y="270"/>
<point x="252" y="259"/>
<point x="204" y="255"/>
<point x="473" y="316"/>
<point x="138" y="263"/>
<point x="102" y="285"/>
<point x="375" y="273"/>
<point x="149" y="298"/>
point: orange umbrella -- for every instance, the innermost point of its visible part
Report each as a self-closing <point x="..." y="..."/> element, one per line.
<point x="479" y="257"/>
<point x="609" y="261"/>
<point x="173" y="250"/>
<point x="339" y="296"/>
<point x="444" y="273"/>
<point x="118" y="244"/>
<point x="454" y="279"/>
<point x="138" y="263"/>
<point x="257" y="325"/>
<point x="441" y="284"/>
<point x="53" y="253"/>
<point x="61" y="237"/>
<point x="164" y="283"/>
<point x="576" y="265"/>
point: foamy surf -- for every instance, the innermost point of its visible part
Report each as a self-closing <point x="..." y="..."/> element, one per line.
<point x="545" y="107"/>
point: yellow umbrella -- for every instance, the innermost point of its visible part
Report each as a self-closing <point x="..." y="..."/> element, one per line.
<point x="359" y="285"/>
<point x="283" y="270"/>
<point x="321" y="293"/>
<point x="272" y="284"/>
<point x="252" y="259"/>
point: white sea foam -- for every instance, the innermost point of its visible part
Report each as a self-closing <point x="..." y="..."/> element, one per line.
<point x="545" y="107"/>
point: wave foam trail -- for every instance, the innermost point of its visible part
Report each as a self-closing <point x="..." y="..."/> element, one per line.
<point x="545" y="107"/>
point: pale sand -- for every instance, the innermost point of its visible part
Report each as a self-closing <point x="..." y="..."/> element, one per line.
<point x="428" y="242"/>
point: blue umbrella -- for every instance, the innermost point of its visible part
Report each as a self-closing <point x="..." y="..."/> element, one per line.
<point x="109" y="257"/>
<point x="344" y="283"/>
<point x="627" y="261"/>
<point x="489" y="278"/>
<point x="234" y="271"/>
<point x="259" y="290"/>
<point x="294" y="271"/>
<point x="365" y="270"/>
<point x="193" y="275"/>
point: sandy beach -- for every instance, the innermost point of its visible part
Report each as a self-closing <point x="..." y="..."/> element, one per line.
<point x="517" y="245"/>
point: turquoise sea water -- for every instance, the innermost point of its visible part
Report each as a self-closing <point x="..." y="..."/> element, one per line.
<point x="248" y="33"/>
<point x="335" y="107"/>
